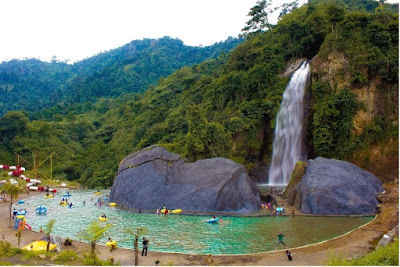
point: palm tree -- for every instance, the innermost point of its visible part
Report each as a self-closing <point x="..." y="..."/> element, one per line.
<point x="48" y="228"/>
<point x="13" y="190"/>
<point x="93" y="233"/>
<point x="136" y="233"/>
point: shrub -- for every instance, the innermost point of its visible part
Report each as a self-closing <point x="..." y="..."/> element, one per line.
<point x="388" y="255"/>
<point x="67" y="256"/>
<point x="93" y="260"/>
<point x="6" y="250"/>
<point x="67" y="242"/>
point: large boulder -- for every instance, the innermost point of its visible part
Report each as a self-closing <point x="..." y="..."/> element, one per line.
<point x="152" y="177"/>
<point x="334" y="187"/>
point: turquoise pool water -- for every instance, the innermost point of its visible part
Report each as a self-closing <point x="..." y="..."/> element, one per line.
<point x="187" y="233"/>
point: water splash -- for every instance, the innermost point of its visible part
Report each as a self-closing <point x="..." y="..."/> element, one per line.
<point x="288" y="130"/>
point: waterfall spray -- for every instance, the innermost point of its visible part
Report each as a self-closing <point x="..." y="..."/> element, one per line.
<point x="288" y="130"/>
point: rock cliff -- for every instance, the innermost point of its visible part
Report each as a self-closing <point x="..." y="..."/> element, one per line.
<point x="334" y="187"/>
<point x="152" y="177"/>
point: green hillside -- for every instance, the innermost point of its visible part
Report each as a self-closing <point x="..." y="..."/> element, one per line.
<point x="33" y="85"/>
<point x="226" y="107"/>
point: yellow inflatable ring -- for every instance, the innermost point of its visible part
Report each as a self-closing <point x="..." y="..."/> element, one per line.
<point x="113" y="204"/>
<point x="63" y="203"/>
<point x="102" y="219"/>
<point x="176" y="211"/>
<point x="97" y="193"/>
<point x="111" y="243"/>
<point x="48" y="196"/>
<point x="20" y="216"/>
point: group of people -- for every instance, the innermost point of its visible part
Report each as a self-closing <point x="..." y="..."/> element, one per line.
<point x="164" y="208"/>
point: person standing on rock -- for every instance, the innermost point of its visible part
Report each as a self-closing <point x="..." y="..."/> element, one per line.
<point x="280" y="240"/>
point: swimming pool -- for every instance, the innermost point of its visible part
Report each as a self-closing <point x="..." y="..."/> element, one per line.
<point x="187" y="233"/>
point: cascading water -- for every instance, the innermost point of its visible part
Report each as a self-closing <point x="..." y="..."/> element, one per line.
<point x="288" y="130"/>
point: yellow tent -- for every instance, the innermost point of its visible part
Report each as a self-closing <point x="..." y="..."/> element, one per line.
<point x="40" y="245"/>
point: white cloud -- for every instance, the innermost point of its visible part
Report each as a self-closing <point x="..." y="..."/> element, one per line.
<point x="75" y="29"/>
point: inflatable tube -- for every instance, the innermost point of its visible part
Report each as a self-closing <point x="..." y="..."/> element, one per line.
<point x="177" y="211"/>
<point x="66" y="195"/>
<point x="21" y="201"/>
<point x="113" y="204"/>
<point x="71" y="207"/>
<point x="111" y="243"/>
<point x="39" y="246"/>
<point x="163" y="211"/>
<point x="27" y="226"/>
<point x="102" y="219"/>
<point x="63" y="203"/>
<point x="213" y="220"/>
<point x="48" y="196"/>
<point x="41" y="209"/>
<point x="20" y="216"/>
<point x="97" y="193"/>
<point x="21" y="212"/>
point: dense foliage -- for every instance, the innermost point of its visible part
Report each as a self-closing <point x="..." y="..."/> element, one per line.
<point x="223" y="107"/>
<point x="33" y="85"/>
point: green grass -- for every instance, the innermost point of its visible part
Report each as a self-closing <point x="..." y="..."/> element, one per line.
<point x="67" y="256"/>
<point x="93" y="260"/>
<point x="6" y="250"/>
<point x="381" y="256"/>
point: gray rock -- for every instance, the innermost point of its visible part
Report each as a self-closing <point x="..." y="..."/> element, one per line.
<point x="152" y="177"/>
<point x="389" y="237"/>
<point x="334" y="187"/>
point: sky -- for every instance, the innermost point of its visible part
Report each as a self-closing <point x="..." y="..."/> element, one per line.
<point x="77" y="29"/>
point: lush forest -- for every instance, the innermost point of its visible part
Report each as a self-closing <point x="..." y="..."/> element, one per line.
<point x="33" y="85"/>
<point x="220" y="107"/>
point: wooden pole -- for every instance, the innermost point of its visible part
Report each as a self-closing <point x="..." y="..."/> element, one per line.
<point x="51" y="166"/>
<point x="34" y="165"/>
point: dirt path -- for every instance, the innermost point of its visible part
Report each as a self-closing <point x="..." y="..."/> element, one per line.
<point x="354" y="244"/>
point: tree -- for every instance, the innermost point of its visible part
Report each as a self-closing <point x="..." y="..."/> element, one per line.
<point x="259" y="18"/>
<point x="48" y="228"/>
<point x="136" y="233"/>
<point x="18" y="234"/>
<point x="288" y="7"/>
<point x="13" y="190"/>
<point x="93" y="233"/>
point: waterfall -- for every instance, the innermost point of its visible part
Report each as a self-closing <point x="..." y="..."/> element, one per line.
<point x="288" y="130"/>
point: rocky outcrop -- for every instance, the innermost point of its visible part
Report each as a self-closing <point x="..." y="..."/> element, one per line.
<point x="334" y="69"/>
<point x="152" y="177"/>
<point x="334" y="187"/>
